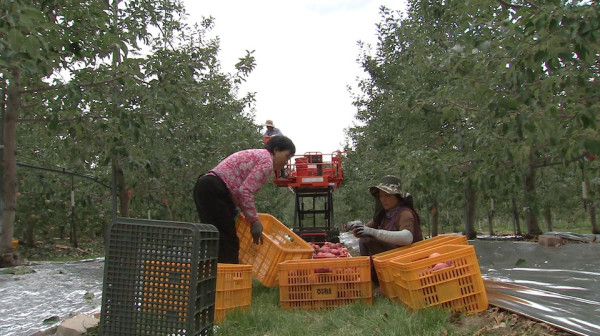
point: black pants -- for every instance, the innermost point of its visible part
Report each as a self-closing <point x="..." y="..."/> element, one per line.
<point x="215" y="206"/>
<point x="369" y="246"/>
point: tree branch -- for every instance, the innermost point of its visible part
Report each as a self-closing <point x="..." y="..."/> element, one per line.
<point x="473" y="109"/>
<point x="32" y="120"/>
<point x="509" y="5"/>
<point x="549" y="162"/>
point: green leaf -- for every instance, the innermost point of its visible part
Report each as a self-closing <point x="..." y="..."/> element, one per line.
<point x="587" y="121"/>
<point x="18" y="270"/>
<point x="509" y="104"/>
<point x="15" y="40"/>
<point x="88" y="296"/>
<point x="520" y="262"/>
<point x="519" y="121"/>
<point x="32" y="46"/>
<point x="530" y="127"/>
<point x="51" y="320"/>
<point x="540" y="56"/>
<point x="592" y="146"/>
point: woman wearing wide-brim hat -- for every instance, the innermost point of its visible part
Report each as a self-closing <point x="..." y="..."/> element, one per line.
<point x="395" y="223"/>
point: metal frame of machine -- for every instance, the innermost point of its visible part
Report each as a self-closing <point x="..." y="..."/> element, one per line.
<point x="313" y="177"/>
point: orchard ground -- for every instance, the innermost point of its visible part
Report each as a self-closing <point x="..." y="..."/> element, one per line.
<point x="493" y="321"/>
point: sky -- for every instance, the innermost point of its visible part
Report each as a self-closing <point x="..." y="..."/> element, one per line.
<point x="306" y="57"/>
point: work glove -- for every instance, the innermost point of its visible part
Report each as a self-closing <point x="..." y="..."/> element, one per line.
<point x="400" y="238"/>
<point x="256" y="231"/>
<point x="362" y="230"/>
<point x="352" y="224"/>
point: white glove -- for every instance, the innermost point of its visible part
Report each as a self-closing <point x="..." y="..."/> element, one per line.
<point x="362" y="230"/>
<point x="400" y="238"/>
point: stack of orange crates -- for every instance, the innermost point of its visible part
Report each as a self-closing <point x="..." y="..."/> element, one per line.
<point x="234" y="289"/>
<point x="382" y="260"/>
<point x="324" y="283"/>
<point x="279" y="244"/>
<point x="450" y="278"/>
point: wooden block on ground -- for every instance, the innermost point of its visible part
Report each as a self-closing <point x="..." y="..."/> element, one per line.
<point x="550" y="240"/>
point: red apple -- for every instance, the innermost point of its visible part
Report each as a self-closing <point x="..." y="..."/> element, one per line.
<point x="440" y="266"/>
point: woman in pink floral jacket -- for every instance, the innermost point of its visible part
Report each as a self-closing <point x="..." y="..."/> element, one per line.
<point x="232" y="185"/>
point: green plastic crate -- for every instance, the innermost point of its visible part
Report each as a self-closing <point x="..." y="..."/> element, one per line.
<point x="159" y="278"/>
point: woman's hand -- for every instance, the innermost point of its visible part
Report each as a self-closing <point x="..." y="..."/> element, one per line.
<point x="256" y="230"/>
<point x="352" y="224"/>
<point x="363" y="230"/>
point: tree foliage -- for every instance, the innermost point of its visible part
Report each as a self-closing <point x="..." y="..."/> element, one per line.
<point x="471" y="98"/>
<point x="125" y="87"/>
<point x="465" y="101"/>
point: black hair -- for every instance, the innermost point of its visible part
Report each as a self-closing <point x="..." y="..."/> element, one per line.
<point x="282" y="143"/>
<point x="380" y="211"/>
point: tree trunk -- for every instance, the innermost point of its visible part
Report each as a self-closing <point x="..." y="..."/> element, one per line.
<point x="121" y="189"/>
<point x="533" y="229"/>
<point x="4" y="99"/>
<point x="118" y="174"/>
<point x="29" y="234"/>
<point x="470" y="211"/>
<point x="9" y="170"/>
<point x="548" y="218"/>
<point x="490" y="222"/>
<point x="595" y="229"/>
<point x="515" y="217"/>
<point x="74" y="234"/>
<point x="435" y="219"/>
<point x="454" y="228"/>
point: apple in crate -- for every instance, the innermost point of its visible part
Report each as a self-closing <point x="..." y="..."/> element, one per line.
<point x="440" y="266"/>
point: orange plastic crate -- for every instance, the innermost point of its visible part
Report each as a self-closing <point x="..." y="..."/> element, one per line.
<point x="165" y="288"/>
<point x="458" y="287"/>
<point x="234" y="289"/>
<point x="279" y="244"/>
<point x="381" y="261"/>
<point x="324" y="283"/>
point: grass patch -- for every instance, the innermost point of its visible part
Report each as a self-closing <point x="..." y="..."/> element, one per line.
<point x="265" y="317"/>
<point x="61" y="250"/>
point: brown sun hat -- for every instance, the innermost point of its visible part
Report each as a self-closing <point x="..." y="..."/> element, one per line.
<point x="391" y="185"/>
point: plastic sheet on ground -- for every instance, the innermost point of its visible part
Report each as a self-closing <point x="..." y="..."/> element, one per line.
<point x="55" y="289"/>
<point x="558" y="285"/>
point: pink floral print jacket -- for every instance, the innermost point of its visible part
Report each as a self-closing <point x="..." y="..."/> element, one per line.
<point x="245" y="172"/>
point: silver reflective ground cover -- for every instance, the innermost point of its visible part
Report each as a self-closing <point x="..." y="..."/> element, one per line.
<point x="558" y="285"/>
<point x="56" y="289"/>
